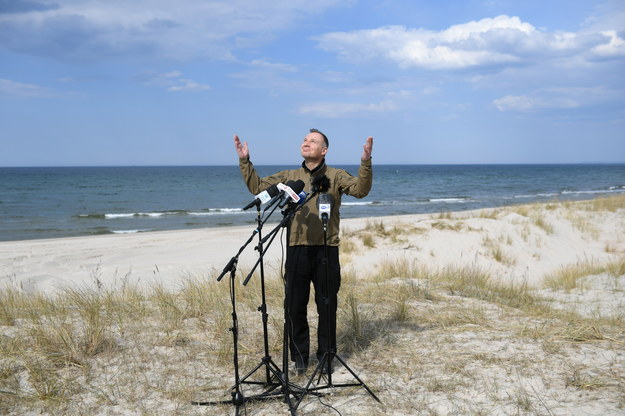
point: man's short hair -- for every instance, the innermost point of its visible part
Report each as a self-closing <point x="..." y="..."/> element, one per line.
<point x="325" y="139"/>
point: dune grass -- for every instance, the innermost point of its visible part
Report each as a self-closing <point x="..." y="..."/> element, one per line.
<point x="568" y="277"/>
<point x="174" y="345"/>
<point x="446" y="340"/>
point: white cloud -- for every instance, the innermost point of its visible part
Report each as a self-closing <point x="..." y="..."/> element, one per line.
<point x="185" y="29"/>
<point x="172" y="81"/>
<point x="614" y="48"/>
<point x="188" y="85"/>
<point x="263" y="64"/>
<point x="498" y="41"/>
<point x="336" y="110"/>
<point x="8" y="87"/>
<point x="557" y="98"/>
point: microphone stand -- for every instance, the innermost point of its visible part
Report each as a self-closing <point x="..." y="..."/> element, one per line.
<point x="325" y="363"/>
<point x="271" y="368"/>
<point x="288" y="389"/>
<point x="238" y="398"/>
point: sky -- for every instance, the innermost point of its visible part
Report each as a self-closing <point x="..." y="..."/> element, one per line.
<point x="158" y="82"/>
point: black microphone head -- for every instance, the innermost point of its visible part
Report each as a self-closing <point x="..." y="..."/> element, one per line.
<point x="297" y="186"/>
<point x="320" y="183"/>
<point x="273" y="190"/>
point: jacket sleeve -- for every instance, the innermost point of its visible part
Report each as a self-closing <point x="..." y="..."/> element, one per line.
<point x="254" y="183"/>
<point x="357" y="186"/>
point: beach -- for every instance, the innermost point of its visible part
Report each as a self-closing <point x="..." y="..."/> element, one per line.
<point x="500" y="363"/>
<point x="534" y="246"/>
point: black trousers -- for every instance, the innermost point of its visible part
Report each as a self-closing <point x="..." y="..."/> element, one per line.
<point x="306" y="265"/>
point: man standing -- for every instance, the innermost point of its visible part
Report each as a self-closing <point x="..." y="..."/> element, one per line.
<point x="305" y="252"/>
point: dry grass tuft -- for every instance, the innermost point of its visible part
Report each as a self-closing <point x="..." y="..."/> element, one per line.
<point x="475" y="283"/>
<point x="611" y="204"/>
<point x="447" y="225"/>
<point x="541" y="223"/>
<point x="568" y="277"/>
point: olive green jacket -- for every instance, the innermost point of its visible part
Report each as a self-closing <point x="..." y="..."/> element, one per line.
<point x="306" y="227"/>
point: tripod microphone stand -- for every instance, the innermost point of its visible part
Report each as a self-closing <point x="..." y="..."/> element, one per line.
<point x="325" y="363"/>
<point x="288" y="391"/>
<point x="238" y="398"/>
<point x="272" y="371"/>
<point x="274" y="376"/>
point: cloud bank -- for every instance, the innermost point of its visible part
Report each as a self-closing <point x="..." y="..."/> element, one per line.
<point x="185" y="29"/>
<point x="499" y="41"/>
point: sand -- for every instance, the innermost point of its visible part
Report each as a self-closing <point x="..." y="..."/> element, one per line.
<point x="165" y="257"/>
<point x="529" y="248"/>
<point x="452" y="355"/>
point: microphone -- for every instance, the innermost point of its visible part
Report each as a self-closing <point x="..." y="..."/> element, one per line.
<point x="263" y="197"/>
<point x="302" y="197"/>
<point x="320" y="184"/>
<point x="290" y="191"/>
<point x="324" y="203"/>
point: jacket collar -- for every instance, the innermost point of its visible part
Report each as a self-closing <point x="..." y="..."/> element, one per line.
<point x="320" y="168"/>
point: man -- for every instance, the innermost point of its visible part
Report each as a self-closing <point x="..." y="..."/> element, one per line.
<point x="305" y="251"/>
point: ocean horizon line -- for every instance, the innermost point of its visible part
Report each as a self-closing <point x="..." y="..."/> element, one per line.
<point x="468" y="164"/>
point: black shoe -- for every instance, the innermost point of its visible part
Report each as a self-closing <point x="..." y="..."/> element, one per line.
<point x="300" y="367"/>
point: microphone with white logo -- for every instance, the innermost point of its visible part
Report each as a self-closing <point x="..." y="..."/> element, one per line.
<point x="324" y="203"/>
<point x="302" y="197"/>
<point x="290" y="192"/>
<point x="263" y="197"/>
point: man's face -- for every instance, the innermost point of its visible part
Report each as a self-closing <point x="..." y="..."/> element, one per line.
<point x="314" y="147"/>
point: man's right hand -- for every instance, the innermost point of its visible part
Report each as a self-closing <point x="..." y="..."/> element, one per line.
<point x="242" y="149"/>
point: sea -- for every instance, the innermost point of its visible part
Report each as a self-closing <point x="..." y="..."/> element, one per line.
<point x="50" y="202"/>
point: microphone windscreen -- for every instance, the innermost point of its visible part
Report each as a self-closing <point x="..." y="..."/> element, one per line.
<point x="320" y="183"/>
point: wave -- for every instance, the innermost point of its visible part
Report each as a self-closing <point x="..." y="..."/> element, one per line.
<point x="128" y="231"/>
<point x="361" y="203"/>
<point x="611" y="189"/>
<point x="608" y="190"/>
<point x="158" y="214"/>
<point x="539" y="195"/>
<point x="218" y="211"/>
<point x="367" y="204"/>
<point x="132" y="215"/>
<point x="450" y="200"/>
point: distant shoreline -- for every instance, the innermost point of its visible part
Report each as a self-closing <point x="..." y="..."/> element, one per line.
<point x="275" y="220"/>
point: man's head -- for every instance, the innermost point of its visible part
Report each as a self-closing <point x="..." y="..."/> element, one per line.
<point x="315" y="146"/>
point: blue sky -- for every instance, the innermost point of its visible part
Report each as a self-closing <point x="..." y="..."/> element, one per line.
<point x="155" y="82"/>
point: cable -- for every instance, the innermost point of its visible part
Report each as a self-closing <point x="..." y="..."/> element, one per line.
<point x="329" y="406"/>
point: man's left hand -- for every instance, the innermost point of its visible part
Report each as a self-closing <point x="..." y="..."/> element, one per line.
<point x="368" y="148"/>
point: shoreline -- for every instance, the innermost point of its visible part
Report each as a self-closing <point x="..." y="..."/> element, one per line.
<point x="510" y="244"/>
